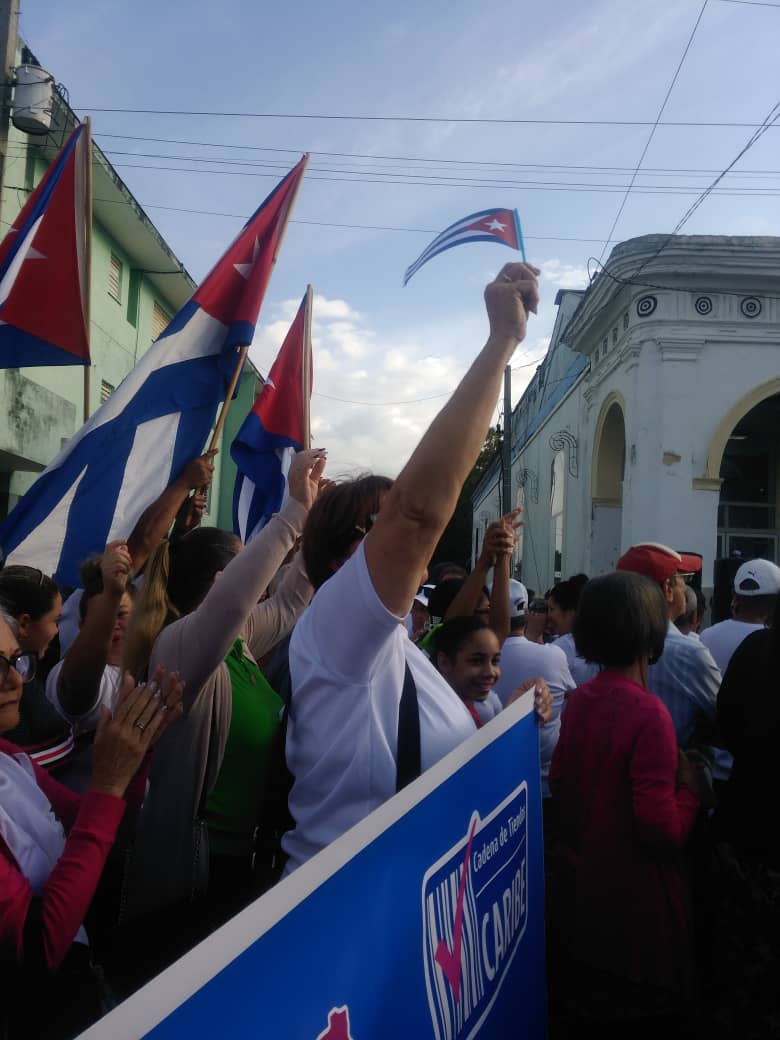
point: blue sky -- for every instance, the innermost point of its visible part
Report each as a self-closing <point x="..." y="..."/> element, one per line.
<point x="374" y="341"/>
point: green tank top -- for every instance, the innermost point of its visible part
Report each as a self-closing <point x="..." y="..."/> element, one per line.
<point x="233" y="807"/>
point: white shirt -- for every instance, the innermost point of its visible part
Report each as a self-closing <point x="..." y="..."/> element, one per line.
<point x="582" y="671"/>
<point x="347" y="658"/>
<point x="87" y="721"/>
<point x="521" y="660"/>
<point x="723" y="639"/>
<point x="489" y="708"/>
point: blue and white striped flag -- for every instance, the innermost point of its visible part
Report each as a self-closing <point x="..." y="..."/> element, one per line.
<point x="489" y="225"/>
<point x="159" y="417"/>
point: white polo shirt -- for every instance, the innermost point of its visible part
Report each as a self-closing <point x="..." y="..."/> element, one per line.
<point x="347" y="657"/>
<point x="723" y="639"/>
<point x="520" y="660"/>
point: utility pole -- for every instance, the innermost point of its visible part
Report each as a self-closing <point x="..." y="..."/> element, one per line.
<point x="506" y="454"/>
<point x="9" y="32"/>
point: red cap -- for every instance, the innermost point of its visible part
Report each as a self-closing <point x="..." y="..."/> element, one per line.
<point x="691" y="563"/>
<point x="654" y="561"/>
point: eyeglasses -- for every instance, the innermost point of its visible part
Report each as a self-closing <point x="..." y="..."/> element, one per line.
<point x="23" y="664"/>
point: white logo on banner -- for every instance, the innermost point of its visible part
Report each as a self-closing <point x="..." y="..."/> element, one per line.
<point x="475" y="909"/>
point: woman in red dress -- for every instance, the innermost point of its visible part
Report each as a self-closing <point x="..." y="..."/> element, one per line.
<point x="626" y="799"/>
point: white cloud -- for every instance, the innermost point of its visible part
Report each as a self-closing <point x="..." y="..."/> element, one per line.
<point x="564" y="276"/>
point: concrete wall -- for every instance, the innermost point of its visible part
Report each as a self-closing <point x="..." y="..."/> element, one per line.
<point x="684" y="365"/>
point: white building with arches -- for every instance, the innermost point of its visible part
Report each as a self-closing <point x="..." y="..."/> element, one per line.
<point x="655" y="415"/>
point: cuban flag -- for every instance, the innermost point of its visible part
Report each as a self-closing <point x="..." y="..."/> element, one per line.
<point x="43" y="267"/>
<point x="489" y="225"/>
<point x="274" y="430"/>
<point x="159" y="417"/>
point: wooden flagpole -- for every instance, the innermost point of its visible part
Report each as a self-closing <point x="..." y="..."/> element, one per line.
<point x="243" y="351"/>
<point x="306" y="368"/>
<point x="88" y="262"/>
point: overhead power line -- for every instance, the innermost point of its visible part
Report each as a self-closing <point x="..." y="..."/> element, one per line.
<point x="654" y="127"/>
<point x="499" y="121"/>
<point x="426" y="159"/>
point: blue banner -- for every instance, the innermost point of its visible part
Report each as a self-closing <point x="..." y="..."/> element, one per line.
<point x="426" y="920"/>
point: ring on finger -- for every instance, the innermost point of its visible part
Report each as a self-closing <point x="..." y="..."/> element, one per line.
<point x="139" y="725"/>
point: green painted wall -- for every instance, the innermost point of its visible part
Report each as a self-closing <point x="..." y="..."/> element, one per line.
<point x="41" y="408"/>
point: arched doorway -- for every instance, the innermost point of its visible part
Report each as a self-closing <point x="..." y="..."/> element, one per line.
<point x="749" y="472"/>
<point x="609" y="461"/>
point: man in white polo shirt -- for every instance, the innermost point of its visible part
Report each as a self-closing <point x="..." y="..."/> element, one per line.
<point x="756" y="588"/>
<point x="520" y="660"/>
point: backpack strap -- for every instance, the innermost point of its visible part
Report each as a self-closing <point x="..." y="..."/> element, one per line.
<point x="408" y="757"/>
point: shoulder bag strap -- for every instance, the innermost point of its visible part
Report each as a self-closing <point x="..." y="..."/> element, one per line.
<point x="408" y="757"/>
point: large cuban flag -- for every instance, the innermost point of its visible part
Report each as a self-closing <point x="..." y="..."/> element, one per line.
<point x="43" y="268"/>
<point x="273" y="431"/>
<point x="159" y="417"/>
<point x="489" y="225"/>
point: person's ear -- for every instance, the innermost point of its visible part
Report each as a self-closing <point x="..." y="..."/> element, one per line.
<point x="23" y="623"/>
<point x="668" y="590"/>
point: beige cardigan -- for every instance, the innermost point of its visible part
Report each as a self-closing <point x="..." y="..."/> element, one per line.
<point x="168" y="863"/>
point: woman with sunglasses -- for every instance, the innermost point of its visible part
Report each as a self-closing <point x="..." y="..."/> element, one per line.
<point x="33" y="600"/>
<point x="366" y="546"/>
<point x="53" y="846"/>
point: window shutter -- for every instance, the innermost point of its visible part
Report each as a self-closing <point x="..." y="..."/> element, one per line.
<point x="115" y="277"/>
<point x="159" y="321"/>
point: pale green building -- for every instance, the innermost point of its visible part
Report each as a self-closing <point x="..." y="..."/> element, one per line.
<point x="137" y="285"/>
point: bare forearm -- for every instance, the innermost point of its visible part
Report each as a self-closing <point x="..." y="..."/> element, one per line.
<point x="428" y="486"/>
<point x="82" y="669"/>
<point x="499" y="598"/>
<point x="155" y="523"/>
<point x="465" y="603"/>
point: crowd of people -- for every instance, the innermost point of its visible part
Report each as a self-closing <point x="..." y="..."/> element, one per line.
<point x="199" y="718"/>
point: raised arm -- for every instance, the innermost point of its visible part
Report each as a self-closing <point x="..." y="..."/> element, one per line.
<point x="201" y="640"/>
<point x="496" y="541"/>
<point x="422" y="499"/>
<point x="273" y="619"/>
<point x="155" y="522"/>
<point x="78" y="684"/>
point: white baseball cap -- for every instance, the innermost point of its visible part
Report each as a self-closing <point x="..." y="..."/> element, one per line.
<point x="757" y="578"/>
<point x="518" y="597"/>
<point x="422" y="595"/>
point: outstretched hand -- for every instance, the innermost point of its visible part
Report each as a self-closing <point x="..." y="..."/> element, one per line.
<point x="139" y="718"/>
<point x="510" y="298"/>
<point x="305" y="474"/>
<point x="116" y="567"/>
<point x="542" y="698"/>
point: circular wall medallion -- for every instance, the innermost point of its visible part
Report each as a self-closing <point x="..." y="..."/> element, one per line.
<point x="703" y="305"/>
<point x="646" y="306"/>
<point x="750" y="306"/>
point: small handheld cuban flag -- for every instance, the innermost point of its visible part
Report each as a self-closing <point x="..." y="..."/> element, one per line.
<point x="489" y="225"/>
<point x="159" y="417"/>
<point x="44" y="267"/>
<point x="274" y="430"/>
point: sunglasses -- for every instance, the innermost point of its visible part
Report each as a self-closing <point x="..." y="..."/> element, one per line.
<point x="23" y="664"/>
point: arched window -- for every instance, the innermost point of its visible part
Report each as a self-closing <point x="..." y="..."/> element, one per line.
<point x="557" y="495"/>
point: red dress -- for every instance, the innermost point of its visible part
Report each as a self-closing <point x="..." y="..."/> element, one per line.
<point x="619" y="901"/>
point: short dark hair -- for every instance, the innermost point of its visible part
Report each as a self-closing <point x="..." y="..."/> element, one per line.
<point x="338" y="518"/>
<point x="566" y="594"/>
<point x="450" y="637"/>
<point x="441" y="597"/>
<point x="27" y="590"/>
<point x="446" y="567"/>
<point x="622" y="618"/>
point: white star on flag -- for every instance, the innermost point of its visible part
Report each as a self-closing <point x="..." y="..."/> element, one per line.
<point x="496" y="225"/>
<point x="246" y="269"/>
